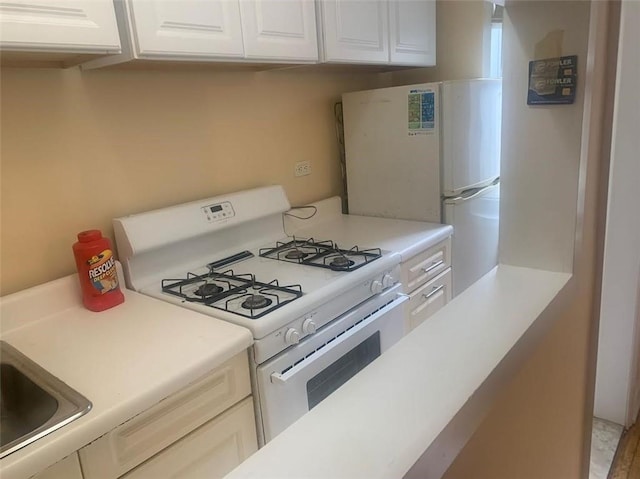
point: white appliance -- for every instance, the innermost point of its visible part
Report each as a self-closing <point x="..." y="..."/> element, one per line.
<point x="319" y="312"/>
<point x="430" y="152"/>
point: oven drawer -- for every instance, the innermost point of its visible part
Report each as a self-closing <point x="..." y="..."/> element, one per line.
<point x="428" y="299"/>
<point x="426" y="265"/>
<point x="146" y="434"/>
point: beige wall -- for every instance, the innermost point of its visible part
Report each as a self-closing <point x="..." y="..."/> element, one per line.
<point x="79" y="148"/>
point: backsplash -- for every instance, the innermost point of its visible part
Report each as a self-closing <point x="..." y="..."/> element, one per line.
<point x="80" y="148"/>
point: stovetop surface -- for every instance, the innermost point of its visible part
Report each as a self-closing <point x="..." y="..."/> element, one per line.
<point x="317" y="285"/>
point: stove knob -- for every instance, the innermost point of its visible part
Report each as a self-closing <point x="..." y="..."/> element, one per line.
<point x="292" y="336"/>
<point x="388" y="281"/>
<point x="308" y="327"/>
<point x="376" y="287"/>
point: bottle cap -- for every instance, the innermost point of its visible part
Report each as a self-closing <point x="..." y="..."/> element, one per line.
<point x="89" y="235"/>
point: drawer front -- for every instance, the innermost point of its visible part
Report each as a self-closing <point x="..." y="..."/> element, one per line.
<point x="210" y="451"/>
<point x="428" y="299"/>
<point x="146" y="434"/>
<point x="426" y="265"/>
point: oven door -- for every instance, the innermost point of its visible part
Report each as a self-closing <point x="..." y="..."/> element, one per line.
<point x="299" y="378"/>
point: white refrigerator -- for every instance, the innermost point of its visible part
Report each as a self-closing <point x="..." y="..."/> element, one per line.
<point x="430" y="152"/>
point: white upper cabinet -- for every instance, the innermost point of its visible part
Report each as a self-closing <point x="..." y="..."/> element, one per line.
<point x="355" y="31"/>
<point x="186" y="28"/>
<point x="279" y="29"/>
<point x="82" y="26"/>
<point x="412" y="32"/>
<point x="282" y="31"/>
<point x="396" y="32"/>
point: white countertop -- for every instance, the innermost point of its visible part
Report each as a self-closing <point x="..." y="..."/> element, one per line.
<point x="417" y="404"/>
<point x="407" y="238"/>
<point x="124" y="360"/>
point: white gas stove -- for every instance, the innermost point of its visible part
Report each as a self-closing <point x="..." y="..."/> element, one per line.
<point x="319" y="312"/>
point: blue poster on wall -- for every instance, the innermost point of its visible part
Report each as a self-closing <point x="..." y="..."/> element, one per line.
<point x="552" y="81"/>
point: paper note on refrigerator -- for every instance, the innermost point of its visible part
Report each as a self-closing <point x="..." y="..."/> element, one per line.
<point x="421" y="112"/>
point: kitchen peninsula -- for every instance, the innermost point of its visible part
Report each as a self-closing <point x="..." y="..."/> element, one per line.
<point x="410" y="412"/>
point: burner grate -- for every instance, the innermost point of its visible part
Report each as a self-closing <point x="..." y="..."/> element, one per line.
<point x="235" y="293"/>
<point x="324" y="254"/>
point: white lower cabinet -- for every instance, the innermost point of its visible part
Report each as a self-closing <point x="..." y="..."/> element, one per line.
<point x="68" y="468"/>
<point x="426" y="278"/>
<point x="207" y="427"/>
<point x="210" y="451"/>
<point x="428" y="298"/>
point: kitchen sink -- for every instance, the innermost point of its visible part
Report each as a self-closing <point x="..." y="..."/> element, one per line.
<point x="33" y="403"/>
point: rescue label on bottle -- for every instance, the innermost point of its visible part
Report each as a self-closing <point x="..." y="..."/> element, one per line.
<point x="102" y="272"/>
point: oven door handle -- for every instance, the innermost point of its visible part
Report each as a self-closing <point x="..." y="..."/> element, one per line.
<point x="283" y="378"/>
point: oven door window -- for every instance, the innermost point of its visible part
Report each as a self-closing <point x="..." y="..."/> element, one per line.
<point x="340" y="371"/>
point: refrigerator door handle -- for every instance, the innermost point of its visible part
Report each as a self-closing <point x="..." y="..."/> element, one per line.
<point x="461" y="199"/>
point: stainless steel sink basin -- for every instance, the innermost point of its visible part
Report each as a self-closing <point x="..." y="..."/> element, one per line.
<point x="33" y="403"/>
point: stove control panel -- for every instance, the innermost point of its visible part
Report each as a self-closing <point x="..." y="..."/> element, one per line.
<point x="218" y="212"/>
<point x="311" y="322"/>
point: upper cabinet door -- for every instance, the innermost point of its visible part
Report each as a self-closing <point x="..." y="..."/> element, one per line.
<point x="186" y="28"/>
<point x="412" y="27"/>
<point x="85" y="26"/>
<point x="355" y="31"/>
<point x="279" y="30"/>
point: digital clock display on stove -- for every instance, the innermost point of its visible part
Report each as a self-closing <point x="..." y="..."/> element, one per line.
<point x="218" y="212"/>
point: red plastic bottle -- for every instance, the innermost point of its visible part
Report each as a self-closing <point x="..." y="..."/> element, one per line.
<point x="97" y="271"/>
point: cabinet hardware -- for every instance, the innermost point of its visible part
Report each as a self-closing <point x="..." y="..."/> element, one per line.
<point x="433" y="291"/>
<point x="433" y="266"/>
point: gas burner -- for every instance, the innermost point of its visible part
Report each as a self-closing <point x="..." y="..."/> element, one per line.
<point x="234" y="293"/>
<point x="296" y="254"/>
<point x="341" y="262"/>
<point x="208" y="289"/>
<point x="323" y="254"/>
<point x="256" y="301"/>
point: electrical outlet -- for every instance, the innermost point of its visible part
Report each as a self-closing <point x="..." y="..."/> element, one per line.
<point x="302" y="168"/>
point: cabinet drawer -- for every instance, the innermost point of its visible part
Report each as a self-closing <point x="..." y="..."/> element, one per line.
<point x="146" y="434"/>
<point x="428" y="299"/>
<point x="210" y="451"/>
<point x="426" y="265"/>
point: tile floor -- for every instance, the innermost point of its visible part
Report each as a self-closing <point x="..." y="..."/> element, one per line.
<point x="605" y="436"/>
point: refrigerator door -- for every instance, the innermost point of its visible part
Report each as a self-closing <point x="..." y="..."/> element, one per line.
<point x="392" y="146"/>
<point x="471" y="123"/>
<point x="474" y="249"/>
